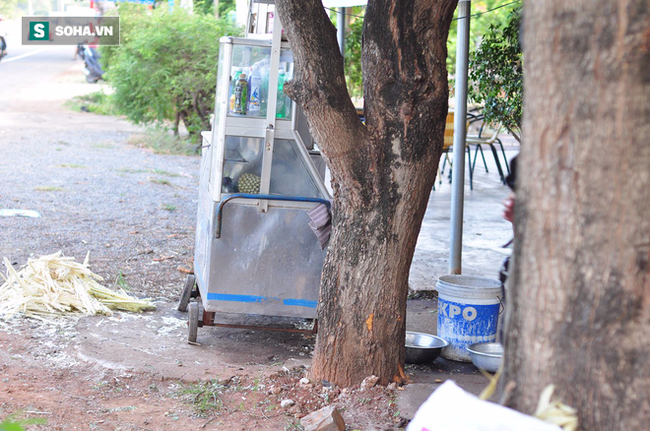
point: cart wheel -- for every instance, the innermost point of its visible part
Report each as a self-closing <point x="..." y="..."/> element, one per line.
<point x="187" y="293"/>
<point x="193" y="322"/>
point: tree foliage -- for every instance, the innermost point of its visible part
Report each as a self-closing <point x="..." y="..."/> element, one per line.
<point x="166" y="70"/>
<point x="496" y="74"/>
<point x="353" y="73"/>
<point x="485" y="13"/>
<point x="204" y="6"/>
<point x="9" y="8"/>
<point x="133" y="17"/>
<point x="207" y="7"/>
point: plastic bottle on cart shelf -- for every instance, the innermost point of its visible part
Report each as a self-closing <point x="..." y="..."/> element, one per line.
<point x="241" y="95"/>
<point x="264" y="87"/>
<point x="232" y="101"/>
<point x="281" y="110"/>
<point x="235" y="78"/>
<point x="255" y="84"/>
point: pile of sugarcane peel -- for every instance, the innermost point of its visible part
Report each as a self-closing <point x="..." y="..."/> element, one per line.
<point x="556" y="412"/>
<point x="54" y="285"/>
<point x="548" y="409"/>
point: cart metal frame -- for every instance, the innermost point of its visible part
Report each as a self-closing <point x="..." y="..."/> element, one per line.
<point x="255" y="253"/>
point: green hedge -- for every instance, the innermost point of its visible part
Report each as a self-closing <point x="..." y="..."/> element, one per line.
<point x="165" y="68"/>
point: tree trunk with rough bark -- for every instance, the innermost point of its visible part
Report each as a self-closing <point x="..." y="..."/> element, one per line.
<point x="382" y="171"/>
<point x="579" y="308"/>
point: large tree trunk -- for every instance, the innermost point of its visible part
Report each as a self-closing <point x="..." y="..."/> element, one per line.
<point x="382" y="172"/>
<point x="580" y="303"/>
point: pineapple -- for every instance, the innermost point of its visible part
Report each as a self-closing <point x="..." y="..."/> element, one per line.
<point x="249" y="183"/>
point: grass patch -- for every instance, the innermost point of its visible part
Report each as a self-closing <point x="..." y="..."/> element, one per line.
<point x="162" y="141"/>
<point x="13" y="423"/>
<point x="72" y="166"/>
<point x="133" y="171"/>
<point x="161" y="181"/>
<point x="120" y="281"/>
<point x="152" y="171"/>
<point x="168" y="207"/>
<point x="164" y="173"/>
<point x="97" y="103"/>
<point x="48" y="189"/>
<point x="294" y="424"/>
<point x="103" y="146"/>
<point x="204" y="397"/>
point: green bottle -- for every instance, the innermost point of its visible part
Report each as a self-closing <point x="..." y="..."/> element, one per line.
<point x="241" y="95"/>
<point x="233" y="84"/>
<point x="281" y="111"/>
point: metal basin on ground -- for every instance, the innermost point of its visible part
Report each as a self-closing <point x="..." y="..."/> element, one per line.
<point x="423" y="348"/>
<point x="486" y="356"/>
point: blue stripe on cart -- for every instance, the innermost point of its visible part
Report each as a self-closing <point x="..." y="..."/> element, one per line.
<point x="300" y="303"/>
<point x="255" y="298"/>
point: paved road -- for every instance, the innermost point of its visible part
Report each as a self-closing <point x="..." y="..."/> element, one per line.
<point x="27" y="63"/>
<point x="28" y="66"/>
<point x="27" y="75"/>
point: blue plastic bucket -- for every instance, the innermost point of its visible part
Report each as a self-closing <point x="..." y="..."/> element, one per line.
<point x="468" y="312"/>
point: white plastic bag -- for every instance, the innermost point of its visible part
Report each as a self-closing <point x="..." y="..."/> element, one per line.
<point x="449" y="408"/>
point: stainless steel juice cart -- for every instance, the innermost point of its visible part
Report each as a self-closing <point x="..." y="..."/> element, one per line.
<point x="255" y="251"/>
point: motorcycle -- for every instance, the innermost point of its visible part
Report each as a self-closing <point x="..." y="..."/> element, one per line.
<point x="3" y="47"/>
<point x="93" y="70"/>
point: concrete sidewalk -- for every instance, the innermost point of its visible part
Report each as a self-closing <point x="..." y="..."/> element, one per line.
<point x="484" y="229"/>
<point x="484" y="234"/>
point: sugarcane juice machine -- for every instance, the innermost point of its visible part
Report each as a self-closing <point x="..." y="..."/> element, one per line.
<point x="255" y="252"/>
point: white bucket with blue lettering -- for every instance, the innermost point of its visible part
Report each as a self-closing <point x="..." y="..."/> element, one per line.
<point x="468" y="312"/>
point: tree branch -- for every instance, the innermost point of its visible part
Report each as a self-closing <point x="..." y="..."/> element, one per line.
<point x="404" y="45"/>
<point x="319" y="86"/>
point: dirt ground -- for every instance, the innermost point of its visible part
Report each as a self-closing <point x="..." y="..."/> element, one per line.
<point x="45" y="376"/>
<point x="134" y="212"/>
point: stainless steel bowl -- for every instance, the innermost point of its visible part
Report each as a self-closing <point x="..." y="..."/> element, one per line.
<point x="486" y="356"/>
<point x="422" y="348"/>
